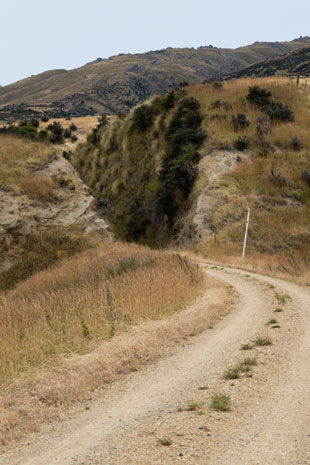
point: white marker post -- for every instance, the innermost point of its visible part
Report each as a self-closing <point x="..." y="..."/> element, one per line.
<point x="246" y="234"/>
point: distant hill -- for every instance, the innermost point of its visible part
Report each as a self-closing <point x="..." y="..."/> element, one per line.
<point x="120" y="82"/>
<point x="296" y="62"/>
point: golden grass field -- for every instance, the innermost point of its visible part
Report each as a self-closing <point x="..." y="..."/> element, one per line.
<point x="57" y="326"/>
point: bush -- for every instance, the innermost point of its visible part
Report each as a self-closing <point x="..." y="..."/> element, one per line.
<point x="167" y="101"/>
<point x="72" y="127"/>
<point x="67" y="133"/>
<point x="143" y="117"/>
<point x="258" y="96"/>
<point x="279" y="112"/>
<point x="178" y="171"/>
<point x="296" y="143"/>
<point x="242" y="143"/>
<point x="44" y="119"/>
<point x="221" y="104"/>
<point x="306" y="177"/>
<point x="240" y="122"/>
<point x="275" y="110"/>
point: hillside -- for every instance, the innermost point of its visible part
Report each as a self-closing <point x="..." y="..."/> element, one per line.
<point x="185" y="167"/>
<point x="118" y="83"/>
<point x="296" y="62"/>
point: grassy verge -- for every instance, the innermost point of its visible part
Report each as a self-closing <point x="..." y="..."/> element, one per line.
<point x="82" y="301"/>
<point x="70" y="329"/>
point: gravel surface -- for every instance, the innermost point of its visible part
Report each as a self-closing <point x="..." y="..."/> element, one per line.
<point x="162" y="414"/>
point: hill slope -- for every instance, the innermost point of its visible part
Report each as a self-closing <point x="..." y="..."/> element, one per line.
<point x="149" y="181"/>
<point x="296" y="62"/>
<point x="116" y="84"/>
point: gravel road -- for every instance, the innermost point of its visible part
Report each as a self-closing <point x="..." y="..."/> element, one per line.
<point x="269" y="420"/>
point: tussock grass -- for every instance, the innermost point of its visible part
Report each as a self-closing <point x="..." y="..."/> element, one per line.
<point x="221" y="402"/>
<point x="274" y="186"/>
<point x="68" y="350"/>
<point x="263" y="341"/>
<point x="16" y="155"/>
<point x="70" y="308"/>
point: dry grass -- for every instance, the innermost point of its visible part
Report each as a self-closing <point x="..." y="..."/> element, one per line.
<point x="84" y="125"/>
<point x="221" y="132"/>
<point x="70" y="308"/>
<point x="273" y="186"/>
<point x="16" y="156"/>
<point x="62" y="303"/>
<point x="38" y="188"/>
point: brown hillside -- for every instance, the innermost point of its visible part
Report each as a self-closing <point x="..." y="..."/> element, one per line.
<point x="116" y="84"/>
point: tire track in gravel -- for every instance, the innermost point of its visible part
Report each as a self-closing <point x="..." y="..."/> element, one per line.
<point x="270" y="419"/>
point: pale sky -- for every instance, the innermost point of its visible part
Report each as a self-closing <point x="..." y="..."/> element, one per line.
<point x="37" y="35"/>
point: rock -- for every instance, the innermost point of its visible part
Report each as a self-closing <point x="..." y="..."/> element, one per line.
<point x="21" y="216"/>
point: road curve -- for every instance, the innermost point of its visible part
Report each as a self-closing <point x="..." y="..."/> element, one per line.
<point x="269" y="422"/>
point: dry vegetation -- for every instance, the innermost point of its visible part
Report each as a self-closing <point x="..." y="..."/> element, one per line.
<point x="272" y="185"/>
<point x="53" y="326"/>
<point x="84" y="126"/>
<point x="70" y="308"/>
<point x="221" y="132"/>
<point x="16" y="157"/>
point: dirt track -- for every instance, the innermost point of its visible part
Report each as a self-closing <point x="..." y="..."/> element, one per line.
<point x="269" y="422"/>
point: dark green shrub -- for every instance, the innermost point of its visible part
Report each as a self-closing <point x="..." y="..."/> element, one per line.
<point x="67" y="133"/>
<point x="296" y="143"/>
<point x="73" y="138"/>
<point x="143" y="117"/>
<point x="167" y="101"/>
<point x="242" y="143"/>
<point x="44" y="119"/>
<point x="306" y="177"/>
<point x="178" y="172"/>
<point x="72" y="127"/>
<point x="279" y="112"/>
<point x="258" y="96"/>
<point x="240" y="122"/>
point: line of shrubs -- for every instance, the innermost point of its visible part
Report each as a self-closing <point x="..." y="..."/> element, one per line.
<point x="54" y="132"/>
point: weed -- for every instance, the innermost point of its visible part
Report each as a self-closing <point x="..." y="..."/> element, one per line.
<point x="275" y="326"/>
<point x="273" y="321"/>
<point x="246" y="347"/>
<point x="203" y="388"/>
<point x="263" y="341"/>
<point x="192" y="406"/>
<point x="249" y="361"/>
<point x="232" y="373"/>
<point x="279" y="310"/>
<point x="282" y="299"/>
<point x="221" y="402"/>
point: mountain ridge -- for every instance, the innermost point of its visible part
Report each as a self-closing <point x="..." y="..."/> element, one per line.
<point x="116" y="84"/>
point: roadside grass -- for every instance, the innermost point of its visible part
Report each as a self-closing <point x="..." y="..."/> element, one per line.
<point x="69" y="330"/>
<point x="72" y="307"/>
<point x="243" y="367"/>
<point x="221" y="402"/>
<point x="194" y="406"/>
<point x="263" y="341"/>
<point x="246" y="347"/>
